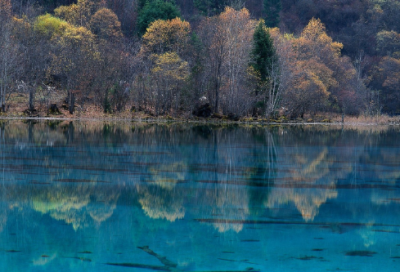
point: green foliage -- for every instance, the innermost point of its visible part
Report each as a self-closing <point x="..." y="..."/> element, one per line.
<point x="263" y="52"/>
<point x="48" y="25"/>
<point x="154" y="10"/>
<point x="271" y="10"/>
<point x="141" y="4"/>
<point x="211" y="7"/>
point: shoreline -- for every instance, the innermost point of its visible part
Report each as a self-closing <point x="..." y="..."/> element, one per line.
<point x="194" y="121"/>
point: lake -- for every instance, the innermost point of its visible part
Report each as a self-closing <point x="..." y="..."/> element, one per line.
<point x="93" y="196"/>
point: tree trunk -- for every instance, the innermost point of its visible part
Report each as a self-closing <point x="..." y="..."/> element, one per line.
<point x="31" y="105"/>
<point x="71" y="102"/>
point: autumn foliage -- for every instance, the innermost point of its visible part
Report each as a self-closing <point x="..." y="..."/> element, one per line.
<point x="162" y="57"/>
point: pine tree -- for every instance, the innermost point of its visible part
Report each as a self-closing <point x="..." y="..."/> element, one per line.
<point x="271" y="10"/>
<point x="211" y="7"/>
<point x="263" y="53"/>
<point x="154" y="10"/>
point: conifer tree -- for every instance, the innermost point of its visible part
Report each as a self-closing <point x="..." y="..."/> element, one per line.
<point x="211" y="7"/>
<point x="271" y="10"/>
<point x="154" y="10"/>
<point x="263" y="53"/>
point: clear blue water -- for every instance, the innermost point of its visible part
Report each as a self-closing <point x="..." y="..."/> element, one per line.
<point x="131" y="197"/>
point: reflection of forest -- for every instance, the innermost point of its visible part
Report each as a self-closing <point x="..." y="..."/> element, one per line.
<point x="79" y="205"/>
<point x="231" y="173"/>
<point x="160" y="203"/>
<point x="312" y="169"/>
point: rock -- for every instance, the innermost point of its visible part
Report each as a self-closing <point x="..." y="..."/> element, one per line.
<point x="217" y="116"/>
<point x="233" y="117"/>
<point x="31" y="113"/>
<point x="202" y="111"/>
<point x="53" y="109"/>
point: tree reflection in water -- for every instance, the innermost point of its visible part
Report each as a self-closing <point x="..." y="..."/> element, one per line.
<point x="77" y="171"/>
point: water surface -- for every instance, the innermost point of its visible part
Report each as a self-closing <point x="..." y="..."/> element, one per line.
<point x="174" y="197"/>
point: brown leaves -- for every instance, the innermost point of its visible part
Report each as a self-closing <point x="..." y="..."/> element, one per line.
<point x="104" y="23"/>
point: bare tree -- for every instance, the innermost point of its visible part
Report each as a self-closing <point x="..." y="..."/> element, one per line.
<point x="214" y="42"/>
<point x="8" y="53"/>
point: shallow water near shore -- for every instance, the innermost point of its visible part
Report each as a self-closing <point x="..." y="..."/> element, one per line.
<point x="92" y="196"/>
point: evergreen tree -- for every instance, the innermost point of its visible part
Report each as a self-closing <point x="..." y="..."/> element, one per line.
<point x="271" y="10"/>
<point x="211" y="7"/>
<point x="263" y="52"/>
<point x="154" y="10"/>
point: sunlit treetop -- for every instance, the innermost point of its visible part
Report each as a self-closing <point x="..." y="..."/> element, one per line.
<point x="166" y="35"/>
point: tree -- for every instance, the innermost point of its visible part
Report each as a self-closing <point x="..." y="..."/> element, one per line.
<point x="79" y="14"/>
<point x="388" y="42"/>
<point x="8" y="53"/>
<point x="386" y="78"/>
<point x="34" y="44"/>
<point x="154" y="10"/>
<point x="211" y="7"/>
<point x="169" y="73"/>
<point x="263" y="53"/>
<point x="227" y="40"/>
<point x="74" y="57"/>
<point x="127" y="11"/>
<point x="104" y="23"/>
<point x="316" y="70"/>
<point x="272" y="8"/>
<point x="166" y="36"/>
<point x="265" y="66"/>
<point x="5" y="10"/>
<point x="237" y="30"/>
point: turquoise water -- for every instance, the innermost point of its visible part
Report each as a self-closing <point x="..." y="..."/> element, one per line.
<point x="129" y="197"/>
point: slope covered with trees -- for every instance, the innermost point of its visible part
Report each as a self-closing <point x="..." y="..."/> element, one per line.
<point x="210" y="57"/>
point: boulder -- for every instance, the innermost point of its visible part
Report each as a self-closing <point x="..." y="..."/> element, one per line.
<point x="203" y="110"/>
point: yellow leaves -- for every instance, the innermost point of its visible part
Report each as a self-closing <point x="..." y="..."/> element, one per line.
<point x="77" y="14"/>
<point x="337" y="47"/>
<point x="170" y="66"/>
<point x="69" y="13"/>
<point x="166" y="35"/>
<point x="314" y="41"/>
<point x="78" y="34"/>
<point x="313" y="30"/>
<point x="316" y="57"/>
<point x="48" y="25"/>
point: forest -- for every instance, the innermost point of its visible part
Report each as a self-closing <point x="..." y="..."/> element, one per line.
<point x="205" y="58"/>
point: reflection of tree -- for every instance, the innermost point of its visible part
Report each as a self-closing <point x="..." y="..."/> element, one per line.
<point x="160" y="203"/>
<point x="230" y="204"/>
<point x="3" y="217"/>
<point x="307" y="201"/>
<point x="311" y="170"/>
<point x="264" y="169"/>
<point x="79" y="205"/>
<point x="162" y="207"/>
<point x="167" y="175"/>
